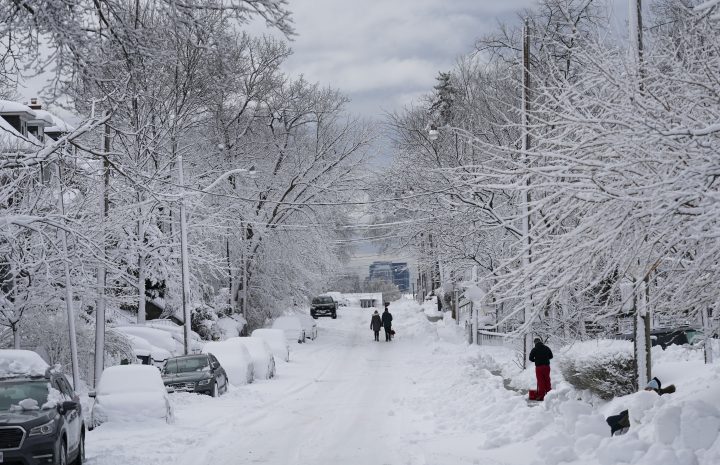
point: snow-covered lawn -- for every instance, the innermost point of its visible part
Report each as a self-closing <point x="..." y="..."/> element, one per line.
<point x="424" y="398"/>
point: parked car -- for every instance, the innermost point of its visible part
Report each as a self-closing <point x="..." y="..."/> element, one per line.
<point x="292" y="327"/>
<point x="309" y="325"/>
<point x="275" y="338"/>
<point x="235" y="359"/>
<point x="41" y="417"/>
<point x="679" y="336"/>
<point x="323" y="305"/>
<point x="261" y="354"/>
<point x="195" y="373"/>
<point x="130" y="393"/>
<point x="146" y="353"/>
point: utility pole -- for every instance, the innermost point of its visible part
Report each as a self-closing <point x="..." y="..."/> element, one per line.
<point x="643" y="360"/>
<point x="100" y="304"/>
<point x="185" y="268"/>
<point x="527" y="255"/>
<point x="68" y="282"/>
<point x="244" y="272"/>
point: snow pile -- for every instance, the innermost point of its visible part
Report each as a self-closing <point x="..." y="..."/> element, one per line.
<point x="677" y="353"/>
<point x="21" y="362"/>
<point x="604" y="367"/>
<point x="408" y="324"/>
<point x="570" y="426"/>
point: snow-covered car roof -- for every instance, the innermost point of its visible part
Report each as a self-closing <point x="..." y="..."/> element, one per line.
<point x="287" y="322"/>
<point x="130" y="378"/>
<point x="234" y="358"/>
<point x="22" y="362"/>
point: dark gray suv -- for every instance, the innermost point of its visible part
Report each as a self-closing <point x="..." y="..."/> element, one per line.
<point x="200" y="373"/>
<point x="323" y="305"/>
<point x="41" y="420"/>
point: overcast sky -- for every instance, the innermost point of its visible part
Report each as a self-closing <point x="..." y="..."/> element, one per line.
<point x="385" y="53"/>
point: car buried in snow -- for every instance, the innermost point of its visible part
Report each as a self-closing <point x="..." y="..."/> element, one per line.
<point x="41" y="419"/>
<point x="200" y="373"/>
<point x="261" y="354"/>
<point x="292" y="327"/>
<point x="130" y="393"/>
<point x="275" y="339"/>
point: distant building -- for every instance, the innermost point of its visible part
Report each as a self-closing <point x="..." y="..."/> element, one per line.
<point x="397" y="273"/>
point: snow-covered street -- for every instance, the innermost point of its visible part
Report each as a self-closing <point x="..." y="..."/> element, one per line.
<point x="342" y="399"/>
<point x="424" y="398"/>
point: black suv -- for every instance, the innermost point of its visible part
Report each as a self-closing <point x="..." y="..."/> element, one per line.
<point x="195" y="373"/>
<point x="41" y="420"/>
<point x="323" y="305"/>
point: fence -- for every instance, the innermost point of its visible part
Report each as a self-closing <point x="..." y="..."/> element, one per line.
<point x="489" y="338"/>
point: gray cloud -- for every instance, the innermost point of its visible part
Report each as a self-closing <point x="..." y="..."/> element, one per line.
<point x="384" y="53"/>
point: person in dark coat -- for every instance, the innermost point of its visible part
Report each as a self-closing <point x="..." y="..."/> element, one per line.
<point x="541" y="355"/>
<point x="387" y="322"/>
<point x="376" y="324"/>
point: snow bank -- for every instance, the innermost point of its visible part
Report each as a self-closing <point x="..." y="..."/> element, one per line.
<point x="569" y="427"/>
<point x="408" y="323"/>
<point x="21" y="362"/>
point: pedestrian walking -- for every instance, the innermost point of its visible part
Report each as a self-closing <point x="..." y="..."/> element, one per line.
<point x="387" y="322"/>
<point x="541" y="355"/>
<point x="376" y="324"/>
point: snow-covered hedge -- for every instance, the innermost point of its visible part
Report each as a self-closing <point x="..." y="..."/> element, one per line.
<point x="604" y="367"/>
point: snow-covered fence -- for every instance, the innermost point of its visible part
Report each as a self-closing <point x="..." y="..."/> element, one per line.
<point x="489" y="338"/>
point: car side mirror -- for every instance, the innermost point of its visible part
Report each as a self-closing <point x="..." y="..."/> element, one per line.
<point x="215" y="365"/>
<point x="92" y="394"/>
<point x="68" y="406"/>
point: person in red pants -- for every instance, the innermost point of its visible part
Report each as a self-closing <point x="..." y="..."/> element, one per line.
<point x="541" y="355"/>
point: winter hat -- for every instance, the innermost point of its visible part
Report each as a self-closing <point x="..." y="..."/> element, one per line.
<point x="537" y="340"/>
<point x="653" y="384"/>
<point x="376" y="312"/>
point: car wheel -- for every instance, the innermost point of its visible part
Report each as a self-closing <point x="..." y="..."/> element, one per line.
<point x="334" y="315"/>
<point x="61" y="459"/>
<point x="215" y="391"/>
<point x="80" y="459"/>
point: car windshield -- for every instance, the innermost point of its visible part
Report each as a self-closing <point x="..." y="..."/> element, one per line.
<point x="186" y="365"/>
<point x="14" y="392"/>
<point x="322" y="300"/>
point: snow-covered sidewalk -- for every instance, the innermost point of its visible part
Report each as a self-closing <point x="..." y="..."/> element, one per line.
<point x="424" y="398"/>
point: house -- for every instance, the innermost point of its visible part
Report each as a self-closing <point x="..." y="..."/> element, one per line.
<point x="14" y="121"/>
<point x="28" y="127"/>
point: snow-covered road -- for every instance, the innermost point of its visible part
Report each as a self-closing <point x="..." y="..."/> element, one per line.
<point x="342" y="399"/>
<point x="425" y="398"/>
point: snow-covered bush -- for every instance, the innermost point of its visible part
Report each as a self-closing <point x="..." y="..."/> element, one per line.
<point x="604" y="367"/>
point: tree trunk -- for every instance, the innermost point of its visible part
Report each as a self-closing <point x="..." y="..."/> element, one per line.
<point x="642" y="337"/>
<point x="707" y="331"/>
<point x="141" y="316"/>
<point x="16" y="336"/>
